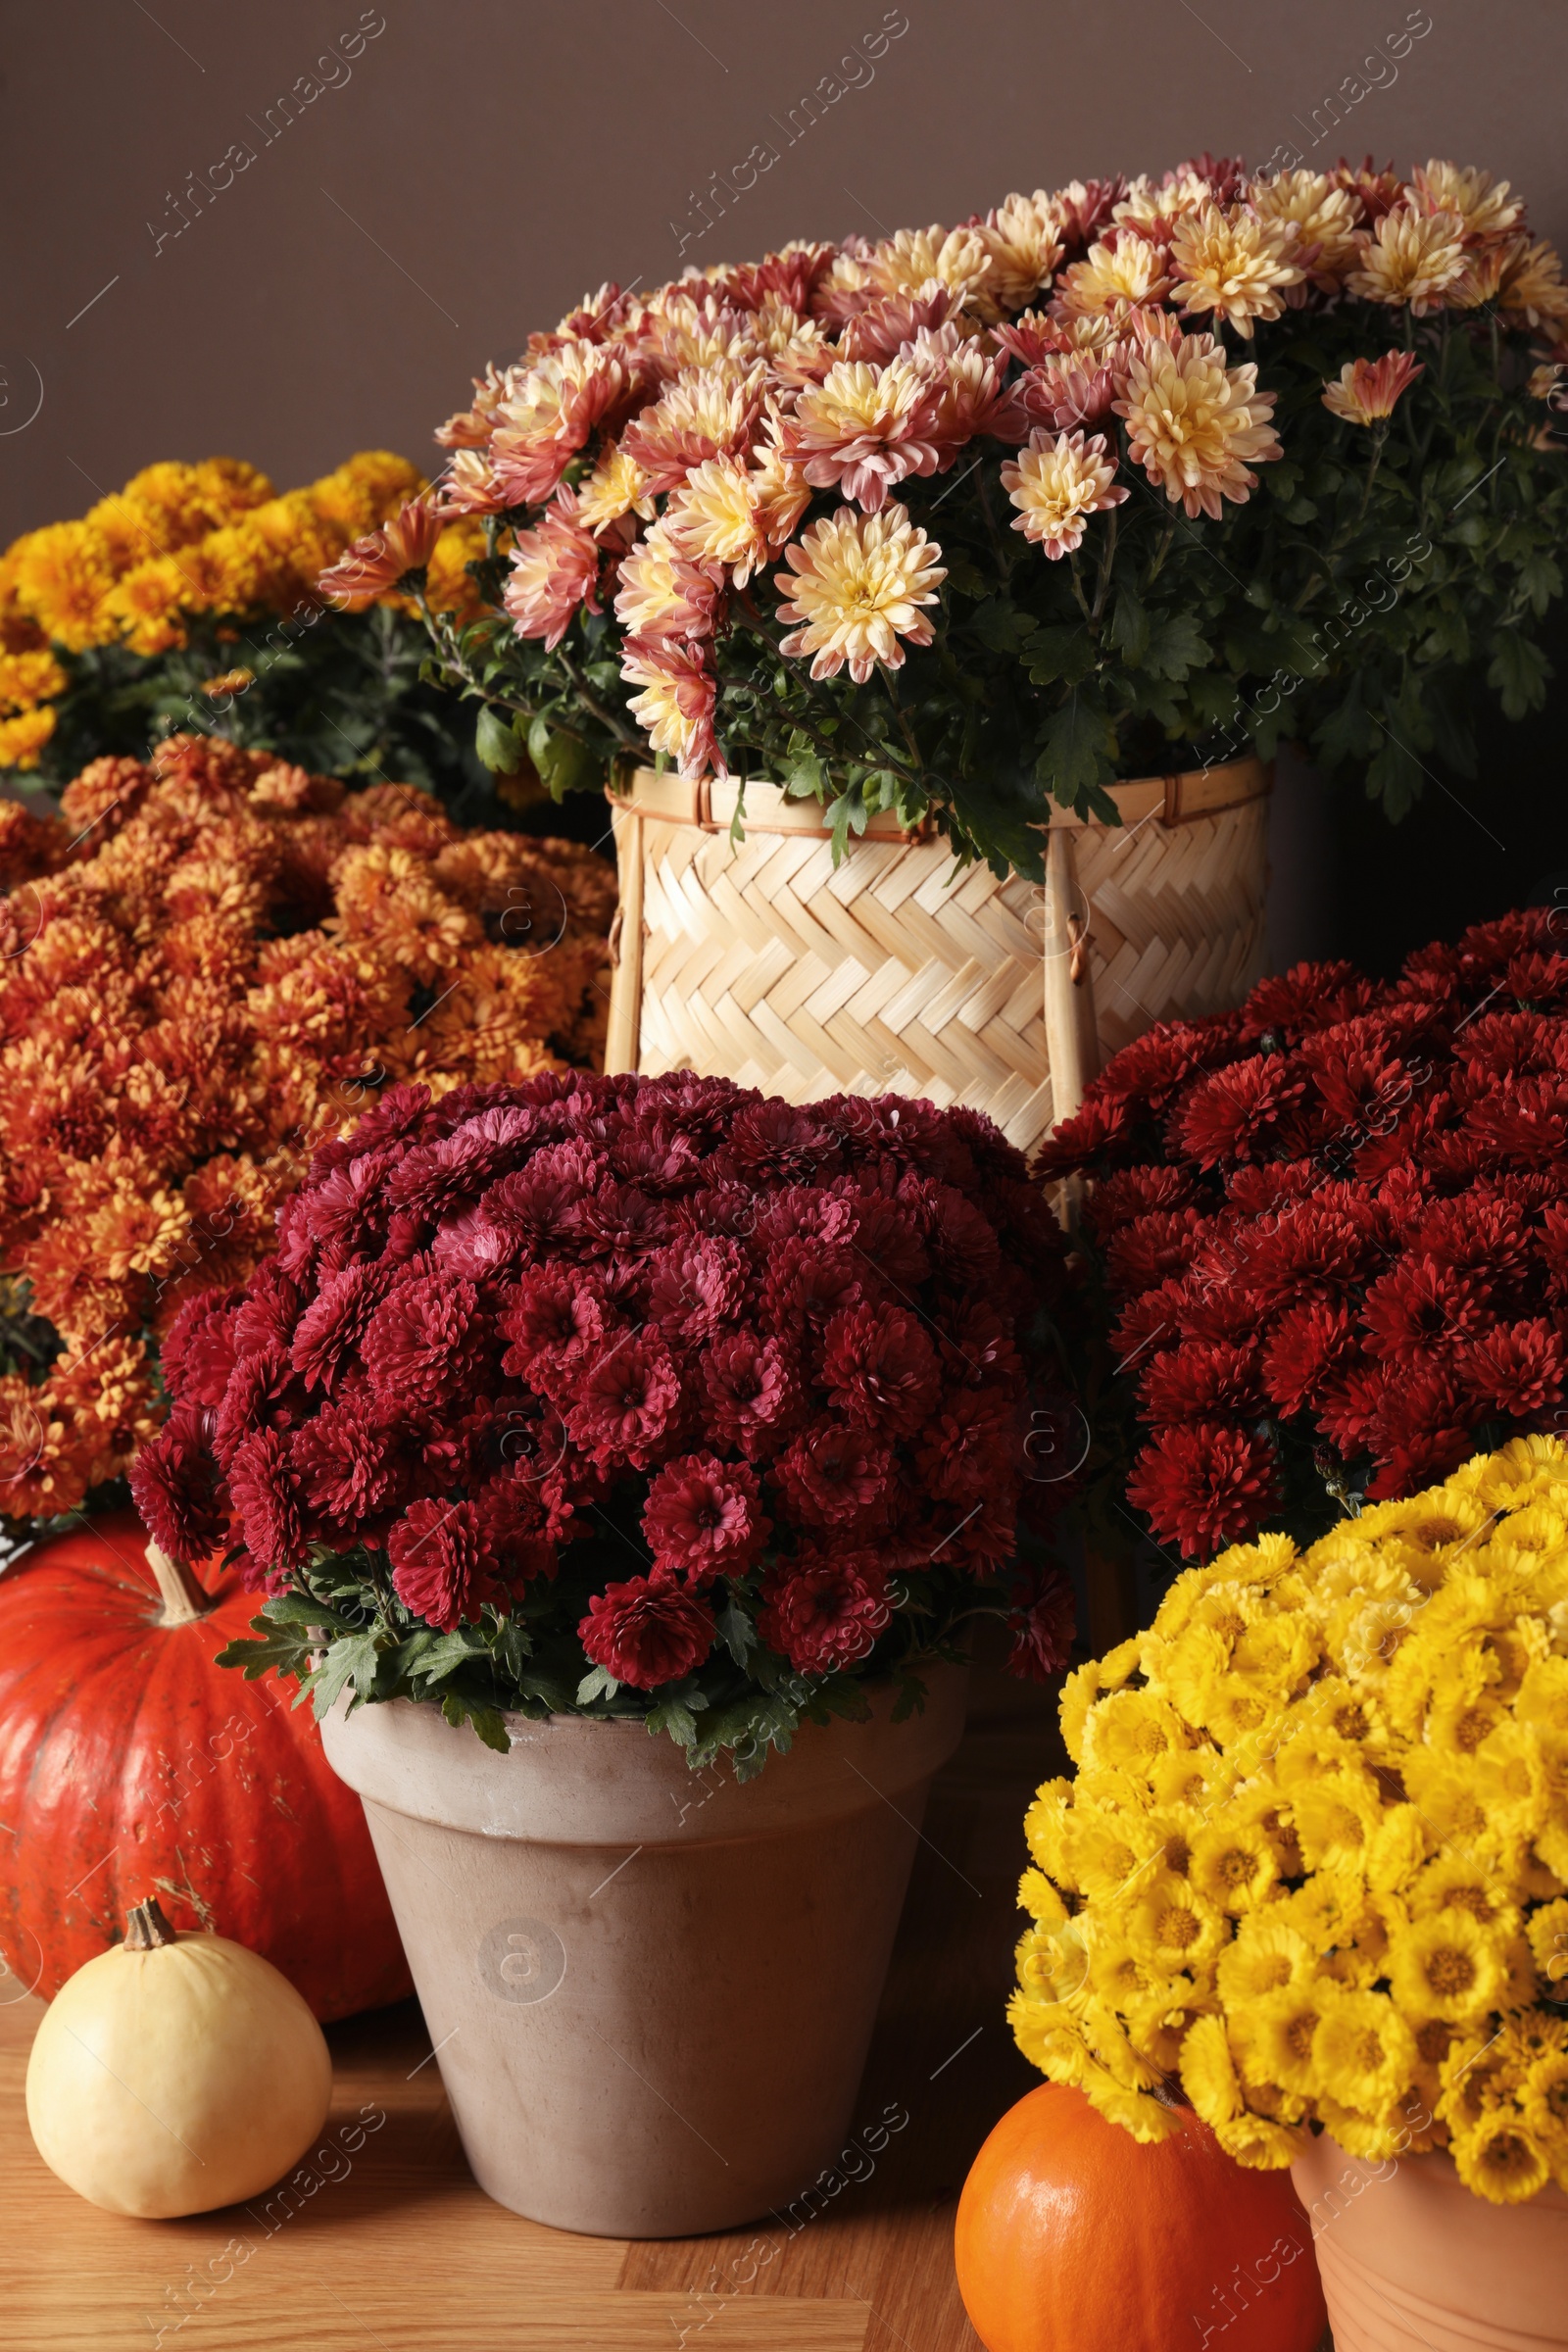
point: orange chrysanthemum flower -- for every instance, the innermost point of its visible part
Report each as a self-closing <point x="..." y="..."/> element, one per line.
<point x="212" y="961"/>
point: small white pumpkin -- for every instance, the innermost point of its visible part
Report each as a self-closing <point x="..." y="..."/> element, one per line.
<point x="175" y="2074"/>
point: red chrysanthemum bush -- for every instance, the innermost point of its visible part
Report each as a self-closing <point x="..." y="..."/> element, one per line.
<point x="1333" y="1229"/>
<point x="649" y="1396"/>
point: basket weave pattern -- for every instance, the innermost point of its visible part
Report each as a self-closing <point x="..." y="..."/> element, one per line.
<point x="759" y="963"/>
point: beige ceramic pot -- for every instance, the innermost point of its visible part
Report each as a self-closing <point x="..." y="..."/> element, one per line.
<point x="1412" y="2261"/>
<point x="650" y="1991"/>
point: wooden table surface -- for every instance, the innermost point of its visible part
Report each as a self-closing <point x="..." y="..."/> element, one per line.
<point x="402" y="2249"/>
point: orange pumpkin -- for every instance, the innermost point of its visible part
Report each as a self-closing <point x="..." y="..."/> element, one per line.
<point x="1072" y="2237"/>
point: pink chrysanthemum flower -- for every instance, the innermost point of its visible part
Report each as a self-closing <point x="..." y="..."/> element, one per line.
<point x="675" y="708"/>
<point x="1194" y="425"/>
<point x="555" y="573"/>
<point x="863" y="429"/>
<point x="1057" y="483"/>
<point x="1370" y="389"/>
<point x="857" y="586"/>
<point x="705" y="413"/>
<point x="1233" y="265"/>
<point x="664" y="592"/>
<point x="557" y="405"/>
<point x="373" y="565"/>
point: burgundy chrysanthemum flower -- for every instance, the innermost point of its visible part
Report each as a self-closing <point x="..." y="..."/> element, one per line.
<point x="1204" y="1487"/>
<point x="880" y="1369"/>
<point x="1043" y="1622"/>
<point x="352" y="1467"/>
<point x="753" y="1393"/>
<point x="695" y="1287"/>
<point x="198" y="1349"/>
<point x="173" y="1484"/>
<point x="824" y="1612"/>
<point x="442" y="1568"/>
<point x="704" y="1517"/>
<point x="835" y="1475"/>
<point x="1308" y="1343"/>
<point x="427" y="1340"/>
<point x="326" y="1338"/>
<point x="1240" y="1113"/>
<point x="1201" y="1380"/>
<point x="1419" y="1306"/>
<point x="627" y="1398"/>
<point x="650" y="1629"/>
<point x="267" y="1499"/>
<point x="554" y="1320"/>
<point x="1515" y="1370"/>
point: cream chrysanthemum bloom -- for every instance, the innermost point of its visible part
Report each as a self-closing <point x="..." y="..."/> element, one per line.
<point x="1057" y="481"/>
<point x="1531" y="286"/>
<point x="617" y="486"/>
<point x="1411" y="260"/>
<point x="1323" y="216"/>
<point x="663" y="592"/>
<point x="1484" y="205"/>
<point x="857" y="583"/>
<point x="1115" y="277"/>
<point x="712" y="518"/>
<point x="902" y="264"/>
<point x="1023" y="238"/>
<point x="1233" y="263"/>
<point x="1195" y="426"/>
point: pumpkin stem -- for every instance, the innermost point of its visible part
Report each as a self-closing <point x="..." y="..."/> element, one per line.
<point x="146" y="1928"/>
<point x="183" y="1598"/>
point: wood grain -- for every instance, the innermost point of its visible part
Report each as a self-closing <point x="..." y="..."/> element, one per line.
<point x="396" y="2246"/>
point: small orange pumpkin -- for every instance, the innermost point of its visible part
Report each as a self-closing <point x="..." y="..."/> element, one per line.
<point x="1072" y="2237"/>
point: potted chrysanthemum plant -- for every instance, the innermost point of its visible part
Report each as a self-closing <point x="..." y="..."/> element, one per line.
<point x="584" y="1409"/>
<point x="1059" y="519"/>
<point x="1310" y="1880"/>
<point x="1327" y="1236"/>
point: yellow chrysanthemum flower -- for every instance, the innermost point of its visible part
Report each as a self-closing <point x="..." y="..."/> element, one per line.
<point x="1234" y="1865"/>
<point x="22" y="737"/>
<point x="1501" y="2160"/>
<point x="1364" y="2052"/>
<point x="1446" y="1965"/>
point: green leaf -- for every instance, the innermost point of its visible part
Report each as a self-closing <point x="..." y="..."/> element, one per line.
<point x="278" y="1652"/>
<point x="674" y="1717"/>
<point x="1129" y="627"/>
<point x="1176" y="646"/>
<point x="496" y="742"/>
<point x="346" y="1661"/>
<point x="1078" y="749"/>
<point x="599" y="1683"/>
<point x="488" y="1722"/>
<point x="737" y="1631"/>
<point x="1061" y="653"/>
<point x="564" y="761"/>
<point x="1519" y="671"/>
<point x="999" y="624"/>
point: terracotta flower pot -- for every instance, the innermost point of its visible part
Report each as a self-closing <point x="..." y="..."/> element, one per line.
<point x="1412" y="2261"/>
<point x="650" y="1991"/>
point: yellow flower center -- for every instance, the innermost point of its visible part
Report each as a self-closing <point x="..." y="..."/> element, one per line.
<point x="1236" y="1866"/>
<point x="1298" y="2035"/>
<point x="1178" y="1928"/>
<point x="1449" y="1971"/>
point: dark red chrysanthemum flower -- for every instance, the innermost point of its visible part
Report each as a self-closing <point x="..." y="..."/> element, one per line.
<point x="1201" y="1380"/>
<point x="650" y="1629"/>
<point x="173" y="1482"/>
<point x="833" y="1475"/>
<point x="1419" y="1307"/>
<point x="1042" y="1622"/>
<point x="783" y="1143"/>
<point x="442" y="1568"/>
<point x="822" y="1613"/>
<point x="554" y="1320"/>
<point x="1204" y="1487"/>
<point x="427" y="1343"/>
<point x="1240" y="1113"/>
<point x="1149" y="1249"/>
<point x="352" y="1466"/>
<point x="880" y="1369"/>
<point x="1515" y="1370"/>
<point x="696" y="1287"/>
<point x="326" y="1338"/>
<point x="705" y="1517"/>
<point x="268" y="1502"/>
<point x="1307" y="1345"/>
<point x="627" y="1396"/>
<point x="198" y="1349"/>
<point x="753" y="1393"/>
<point x="1420" y="1431"/>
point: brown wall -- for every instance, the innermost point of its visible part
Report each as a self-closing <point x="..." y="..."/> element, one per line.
<point x="481" y="163"/>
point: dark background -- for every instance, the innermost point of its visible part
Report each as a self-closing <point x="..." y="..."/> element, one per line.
<point x="483" y="162"/>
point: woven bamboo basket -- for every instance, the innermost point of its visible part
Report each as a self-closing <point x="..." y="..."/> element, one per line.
<point x="890" y="974"/>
